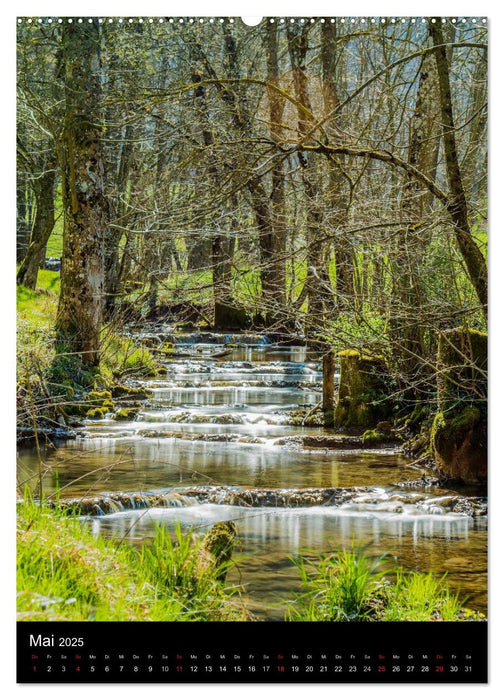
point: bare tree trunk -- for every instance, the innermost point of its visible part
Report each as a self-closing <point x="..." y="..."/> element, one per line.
<point x="457" y="207"/>
<point x="80" y="308"/>
<point x="298" y="49"/>
<point x="218" y="255"/>
<point x="328" y="367"/>
<point x="338" y="206"/>
<point x="22" y="227"/>
<point x="413" y="239"/>
<point x="42" y="227"/>
<point x="113" y="237"/>
<point x="474" y="164"/>
<point x="277" y="196"/>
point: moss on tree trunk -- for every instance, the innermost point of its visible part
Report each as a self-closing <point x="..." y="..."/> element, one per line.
<point x="459" y="430"/>
<point x="362" y="392"/>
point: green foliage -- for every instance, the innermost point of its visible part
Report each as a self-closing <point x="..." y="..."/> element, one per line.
<point x="66" y="573"/>
<point x="350" y="586"/>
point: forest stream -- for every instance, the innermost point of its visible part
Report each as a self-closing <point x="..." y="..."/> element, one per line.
<point x="214" y="429"/>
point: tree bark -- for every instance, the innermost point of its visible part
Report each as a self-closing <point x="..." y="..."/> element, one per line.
<point x="457" y="206"/>
<point x="219" y="262"/>
<point x="328" y="367"/>
<point x="42" y="226"/>
<point x="413" y="239"/>
<point x="80" y="308"/>
<point x="338" y="207"/>
<point x="275" y="281"/>
<point x="298" y="49"/>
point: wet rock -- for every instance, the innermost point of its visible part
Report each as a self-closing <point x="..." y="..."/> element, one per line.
<point x="50" y="433"/>
<point x="330" y="442"/>
<point x="426" y="481"/>
<point x="223" y="495"/>
<point x="53" y="264"/>
<point x="305" y="416"/>
<point x="473" y="507"/>
<point x="363" y="497"/>
<point x="227" y="419"/>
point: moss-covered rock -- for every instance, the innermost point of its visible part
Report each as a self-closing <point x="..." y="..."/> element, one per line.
<point x="122" y="391"/>
<point x="362" y="391"/>
<point x="126" y="414"/>
<point x="459" y="444"/>
<point x="384" y="433"/>
<point x="97" y="413"/>
<point x="98" y="397"/>
<point x="165" y="349"/>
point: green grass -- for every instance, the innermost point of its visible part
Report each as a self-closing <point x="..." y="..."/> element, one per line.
<point x="66" y="573"/>
<point x="39" y="307"/>
<point x="350" y="586"/>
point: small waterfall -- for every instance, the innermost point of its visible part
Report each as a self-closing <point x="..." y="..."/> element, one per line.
<point x="358" y="499"/>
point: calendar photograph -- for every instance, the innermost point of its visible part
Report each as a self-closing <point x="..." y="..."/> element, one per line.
<point x="251" y="348"/>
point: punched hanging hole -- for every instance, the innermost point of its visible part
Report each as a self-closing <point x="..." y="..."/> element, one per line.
<point x="251" y="21"/>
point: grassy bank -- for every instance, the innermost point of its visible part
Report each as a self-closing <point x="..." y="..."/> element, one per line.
<point x="66" y="573"/>
<point x="350" y="586"/>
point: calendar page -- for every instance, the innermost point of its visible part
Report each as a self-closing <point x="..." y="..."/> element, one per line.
<point x="252" y="349"/>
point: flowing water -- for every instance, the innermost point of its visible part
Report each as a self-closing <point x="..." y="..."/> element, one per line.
<point x="218" y="423"/>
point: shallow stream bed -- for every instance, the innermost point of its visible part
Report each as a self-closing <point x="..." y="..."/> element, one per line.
<point x="215" y="422"/>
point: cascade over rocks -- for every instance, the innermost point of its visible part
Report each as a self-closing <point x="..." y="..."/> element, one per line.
<point x="186" y="496"/>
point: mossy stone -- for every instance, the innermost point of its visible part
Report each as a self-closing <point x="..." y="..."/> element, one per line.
<point x="126" y="414"/>
<point x="77" y="409"/>
<point x="99" y="396"/>
<point x="377" y="436"/>
<point x="459" y="430"/>
<point x="97" y="413"/>
<point x="121" y="391"/>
